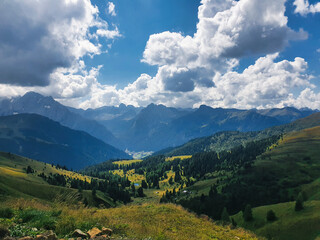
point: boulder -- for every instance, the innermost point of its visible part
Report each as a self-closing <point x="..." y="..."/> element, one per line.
<point x="40" y="237"/>
<point x="94" y="232"/>
<point x="79" y="234"/>
<point x="106" y="231"/>
<point x="49" y="235"/>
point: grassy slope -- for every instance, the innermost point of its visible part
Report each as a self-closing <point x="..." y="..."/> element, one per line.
<point x="22" y="191"/>
<point x="146" y="221"/>
<point x="294" y="160"/>
<point x="289" y="225"/>
<point x="295" y="163"/>
<point x="15" y="182"/>
<point x="288" y="160"/>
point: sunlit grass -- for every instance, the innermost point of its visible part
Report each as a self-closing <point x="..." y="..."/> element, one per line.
<point x="184" y="157"/>
<point x="145" y="221"/>
<point x="126" y="162"/>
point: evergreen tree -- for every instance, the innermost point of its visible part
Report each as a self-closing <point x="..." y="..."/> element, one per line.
<point x="247" y="213"/>
<point x="29" y="170"/>
<point x="140" y="192"/>
<point x="299" y="203"/>
<point x="133" y="189"/>
<point x="94" y="192"/>
<point x="202" y="198"/>
<point x="233" y="222"/>
<point x="271" y="216"/>
<point x="144" y="184"/>
<point x="85" y="202"/>
<point x="225" y="215"/>
<point x="177" y="177"/>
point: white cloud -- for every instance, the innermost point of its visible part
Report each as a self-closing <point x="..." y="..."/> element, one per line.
<point x="199" y="69"/>
<point x="110" y="34"/>
<point x="111" y="9"/>
<point x="303" y="7"/>
<point x="227" y="31"/>
<point x="39" y="37"/>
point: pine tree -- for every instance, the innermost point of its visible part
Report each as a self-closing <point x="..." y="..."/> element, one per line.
<point x="225" y="215"/>
<point x="140" y="192"/>
<point x="94" y="192"/>
<point x="271" y="216"/>
<point x="233" y="222"/>
<point x="144" y="184"/>
<point x="85" y="202"/>
<point x="133" y="189"/>
<point x="247" y="213"/>
<point x="299" y="203"/>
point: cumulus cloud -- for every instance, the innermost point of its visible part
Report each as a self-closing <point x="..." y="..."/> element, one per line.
<point x="39" y="37"/>
<point x="111" y="9"/>
<point x="194" y="70"/>
<point x="303" y="7"/>
<point x="227" y="31"/>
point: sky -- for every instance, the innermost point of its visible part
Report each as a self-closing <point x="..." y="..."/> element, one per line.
<point x="181" y="53"/>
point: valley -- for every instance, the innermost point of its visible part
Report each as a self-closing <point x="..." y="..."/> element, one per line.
<point x="208" y="182"/>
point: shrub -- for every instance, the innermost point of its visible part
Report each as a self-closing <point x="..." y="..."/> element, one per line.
<point x="271" y="216"/>
<point x="39" y="219"/>
<point x="6" y="213"/>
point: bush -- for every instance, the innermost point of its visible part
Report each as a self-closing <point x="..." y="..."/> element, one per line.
<point x="271" y="216"/>
<point x="39" y="219"/>
<point x="6" y="213"/>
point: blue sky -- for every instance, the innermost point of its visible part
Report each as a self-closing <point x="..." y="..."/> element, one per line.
<point x="181" y="53"/>
<point x="137" y="20"/>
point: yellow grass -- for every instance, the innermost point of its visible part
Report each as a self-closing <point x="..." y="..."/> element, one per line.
<point x="16" y="165"/>
<point x="127" y="162"/>
<point x="310" y="133"/>
<point x="145" y="221"/>
<point x="181" y="157"/>
<point x="12" y="172"/>
<point x="157" y="221"/>
<point x="131" y="175"/>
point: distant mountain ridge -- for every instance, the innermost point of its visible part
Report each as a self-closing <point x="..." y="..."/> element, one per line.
<point x="42" y="139"/>
<point x="154" y="127"/>
<point x="228" y="139"/>
<point x="33" y="102"/>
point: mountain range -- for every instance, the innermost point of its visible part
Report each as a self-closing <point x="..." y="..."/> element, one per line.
<point x="154" y="127"/>
<point x="33" y="102"/>
<point x="226" y="140"/>
<point x="40" y="138"/>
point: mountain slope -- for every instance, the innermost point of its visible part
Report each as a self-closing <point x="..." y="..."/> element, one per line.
<point x="229" y="139"/>
<point x="33" y="102"/>
<point x="16" y="182"/>
<point x="29" y="195"/>
<point x="42" y="139"/>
